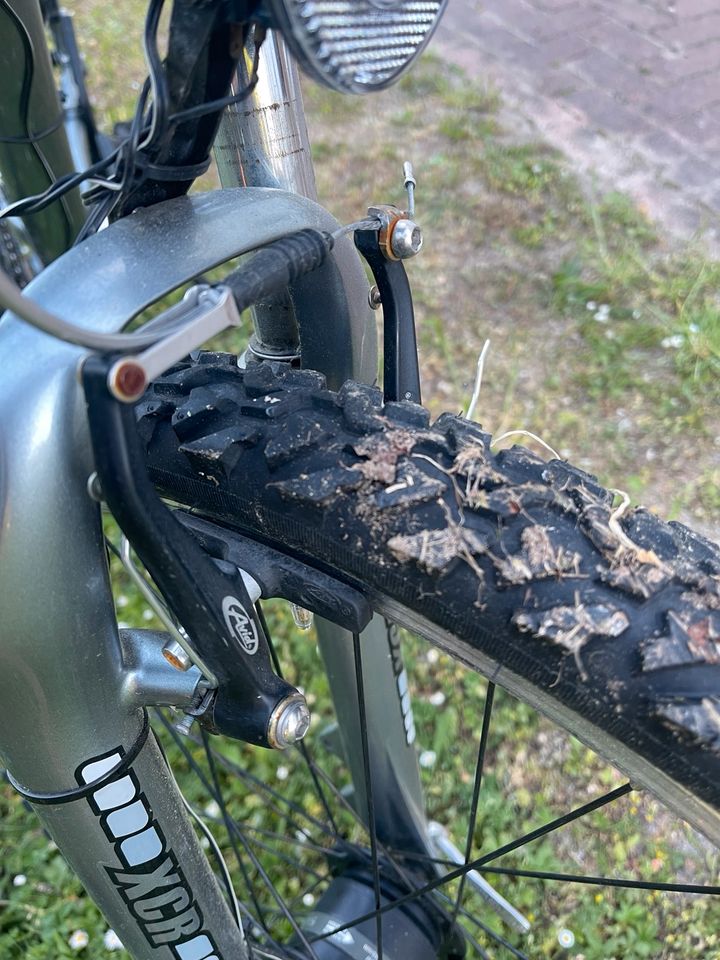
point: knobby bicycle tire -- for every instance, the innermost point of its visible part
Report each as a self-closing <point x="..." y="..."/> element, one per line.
<point x="520" y="567"/>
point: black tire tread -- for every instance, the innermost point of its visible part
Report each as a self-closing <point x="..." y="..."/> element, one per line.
<point x="514" y="555"/>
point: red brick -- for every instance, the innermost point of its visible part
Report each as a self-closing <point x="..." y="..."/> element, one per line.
<point x="607" y="113"/>
<point x="529" y="22"/>
<point x="622" y="41"/>
<point x="701" y="128"/>
<point x="557" y="6"/>
<point x="637" y="15"/>
<point x="696" y="172"/>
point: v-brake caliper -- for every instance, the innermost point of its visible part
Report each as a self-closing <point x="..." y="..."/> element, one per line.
<point x="209" y="595"/>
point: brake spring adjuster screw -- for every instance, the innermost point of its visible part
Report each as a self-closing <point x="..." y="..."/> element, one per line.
<point x="184" y="724"/>
<point x="290" y="722"/>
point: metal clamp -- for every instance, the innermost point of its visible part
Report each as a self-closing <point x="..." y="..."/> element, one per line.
<point x="83" y="791"/>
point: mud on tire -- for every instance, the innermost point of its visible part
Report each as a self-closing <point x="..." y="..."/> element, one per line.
<point x="525" y="562"/>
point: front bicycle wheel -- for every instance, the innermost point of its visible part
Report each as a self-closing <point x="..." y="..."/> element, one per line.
<point x="602" y="618"/>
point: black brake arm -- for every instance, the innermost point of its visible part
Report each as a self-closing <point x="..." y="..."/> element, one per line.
<point x="210" y="601"/>
<point x="401" y="372"/>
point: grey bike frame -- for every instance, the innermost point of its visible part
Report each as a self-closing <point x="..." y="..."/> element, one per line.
<point x="72" y="688"/>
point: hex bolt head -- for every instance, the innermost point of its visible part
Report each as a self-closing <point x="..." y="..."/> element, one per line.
<point x="291" y="723"/>
<point x="407" y="239"/>
<point x="94" y="488"/>
<point x="374" y="298"/>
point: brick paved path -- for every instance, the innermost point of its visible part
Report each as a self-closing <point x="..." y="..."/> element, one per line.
<point x="630" y="88"/>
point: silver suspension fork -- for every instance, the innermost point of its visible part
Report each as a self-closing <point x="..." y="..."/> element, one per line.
<point x="71" y="691"/>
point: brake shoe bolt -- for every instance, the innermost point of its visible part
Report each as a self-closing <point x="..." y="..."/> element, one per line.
<point x="290" y="722"/>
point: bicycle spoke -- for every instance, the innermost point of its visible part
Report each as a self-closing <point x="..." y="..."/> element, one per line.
<point x="553" y="825"/>
<point x="496" y="937"/>
<point x="249" y="778"/>
<point x="272" y="889"/>
<point x="214" y="794"/>
<point x="469" y="938"/>
<point x="389" y="853"/>
<point x="359" y="680"/>
<point x="657" y="885"/>
<point x="422" y="858"/>
<point x="295" y="841"/>
<point x="302" y="747"/>
<point x="291" y="861"/>
<point x="550" y="827"/>
<point x="233" y="829"/>
<point x="479" y="768"/>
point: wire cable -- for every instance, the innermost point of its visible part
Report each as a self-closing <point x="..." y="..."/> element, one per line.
<point x="156" y="73"/>
<point x="213" y="106"/>
<point x="12" y="299"/>
<point x="57" y="189"/>
<point x="227" y="880"/>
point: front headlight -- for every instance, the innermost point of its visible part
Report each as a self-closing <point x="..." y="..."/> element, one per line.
<point x="356" y="46"/>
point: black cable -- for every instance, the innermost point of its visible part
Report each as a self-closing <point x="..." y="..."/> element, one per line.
<point x="159" y="86"/>
<point x="124" y="156"/>
<point x="57" y="189"/>
<point x="33" y="138"/>
<point x="97" y="217"/>
<point x="82" y="792"/>
<point x="214" y="105"/>
<point x="28" y="72"/>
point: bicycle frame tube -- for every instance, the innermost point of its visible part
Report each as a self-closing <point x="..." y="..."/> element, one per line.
<point x="64" y="689"/>
<point x="263" y="142"/>
<point x="29" y="106"/>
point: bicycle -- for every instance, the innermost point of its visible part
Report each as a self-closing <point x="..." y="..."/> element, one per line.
<point x="312" y="463"/>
